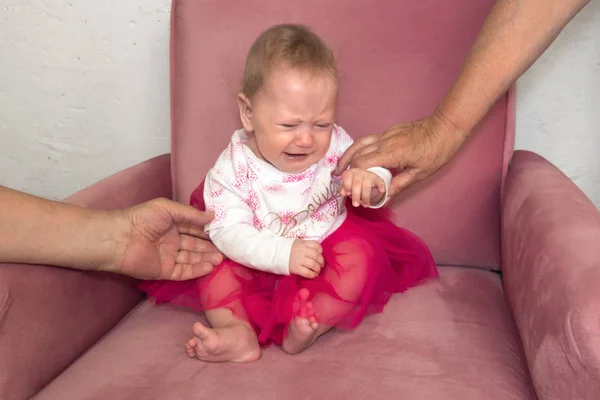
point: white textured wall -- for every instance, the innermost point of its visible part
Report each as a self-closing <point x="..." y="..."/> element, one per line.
<point x="84" y="90"/>
<point x="84" y="93"/>
<point x="558" y="102"/>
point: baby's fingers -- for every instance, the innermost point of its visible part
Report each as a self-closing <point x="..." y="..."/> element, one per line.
<point x="307" y="273"/>
<point x="373" y="191"/>
<point x="365" y="198"/>
<point x="380" y="184"/>
<point x="314" y="245"/>
<point x="316" y="255"/>
<point x="313" y="265"/>
<point x="347" y="178"/>
<point x="357" y="185"/>
<point x="310" y="269"/>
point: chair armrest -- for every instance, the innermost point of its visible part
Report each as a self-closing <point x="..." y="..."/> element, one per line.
<point x="49" y="316"/>
<point x="551" y="268"/>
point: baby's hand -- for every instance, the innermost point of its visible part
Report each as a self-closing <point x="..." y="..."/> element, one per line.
<point x="306" y="259"/>
<point x="363" y="187"/>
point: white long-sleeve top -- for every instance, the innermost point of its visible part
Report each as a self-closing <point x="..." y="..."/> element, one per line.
<point x="260" y="211"/>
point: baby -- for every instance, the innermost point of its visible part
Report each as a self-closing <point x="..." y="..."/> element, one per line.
<point x="299" y="260"/>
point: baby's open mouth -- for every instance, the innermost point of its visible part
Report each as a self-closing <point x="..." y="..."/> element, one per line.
<point x="296" y="156"/>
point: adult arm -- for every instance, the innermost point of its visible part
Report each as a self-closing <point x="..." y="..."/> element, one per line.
<point x="514" y="35"/>
<point x="159" y="239"/>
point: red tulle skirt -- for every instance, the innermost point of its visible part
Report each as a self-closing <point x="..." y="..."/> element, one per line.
<point x="367" y="259"/>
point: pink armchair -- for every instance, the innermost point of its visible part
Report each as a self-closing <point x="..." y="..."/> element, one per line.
<point x="514" y="314"/>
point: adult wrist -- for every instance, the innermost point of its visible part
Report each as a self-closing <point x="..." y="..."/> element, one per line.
<point x="445" y="124"/>
<point x="113" y="232"/>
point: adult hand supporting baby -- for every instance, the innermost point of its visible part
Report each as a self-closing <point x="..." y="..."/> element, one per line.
<point x="159" y="239"/>
<point x="162" y="239"/>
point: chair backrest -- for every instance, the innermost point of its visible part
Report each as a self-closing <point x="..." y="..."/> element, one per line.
<point x="396" y="60"/>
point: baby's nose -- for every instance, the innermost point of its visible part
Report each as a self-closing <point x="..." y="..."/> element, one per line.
<point x="304" y="138"/>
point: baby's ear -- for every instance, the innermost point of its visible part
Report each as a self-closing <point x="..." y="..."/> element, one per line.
<point x="245" y="107"/>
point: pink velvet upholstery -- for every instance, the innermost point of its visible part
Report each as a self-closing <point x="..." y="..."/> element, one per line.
<point x="453" y="339"/>
<point x="396" y="60"/>
<point x="550" y="242"/>
<point x="48" y="315"/>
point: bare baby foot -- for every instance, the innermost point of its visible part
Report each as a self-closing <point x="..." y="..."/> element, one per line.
<point x="303" y="330"/>
<point x="235" y="343"/>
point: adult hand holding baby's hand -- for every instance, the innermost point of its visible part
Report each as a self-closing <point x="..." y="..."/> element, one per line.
<point x="416" y="150"/>
<point x="363" y="187"/>
<point x="306" y="258"/>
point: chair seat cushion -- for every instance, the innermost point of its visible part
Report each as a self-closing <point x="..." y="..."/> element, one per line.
<point x="449" y="339"/>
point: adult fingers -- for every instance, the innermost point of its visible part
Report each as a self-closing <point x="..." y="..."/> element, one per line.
<point x="364" y="151"/>
<point x="187" y="257"/>
<point x="377" y="158"/>
<point x="193" y="230"/>
<point x="348" y="155"/>
<point x="185" y="214"/>
<point x="185" y="271"/>
<point x="401" y="182"/>
<point x="192" y="243"/>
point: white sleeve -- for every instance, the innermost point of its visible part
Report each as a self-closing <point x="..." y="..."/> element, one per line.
<point x="261" y="250"/>
<point x="386" y="175"/>
<point x="227" y="193"/>
<point x="343" y="142"/>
